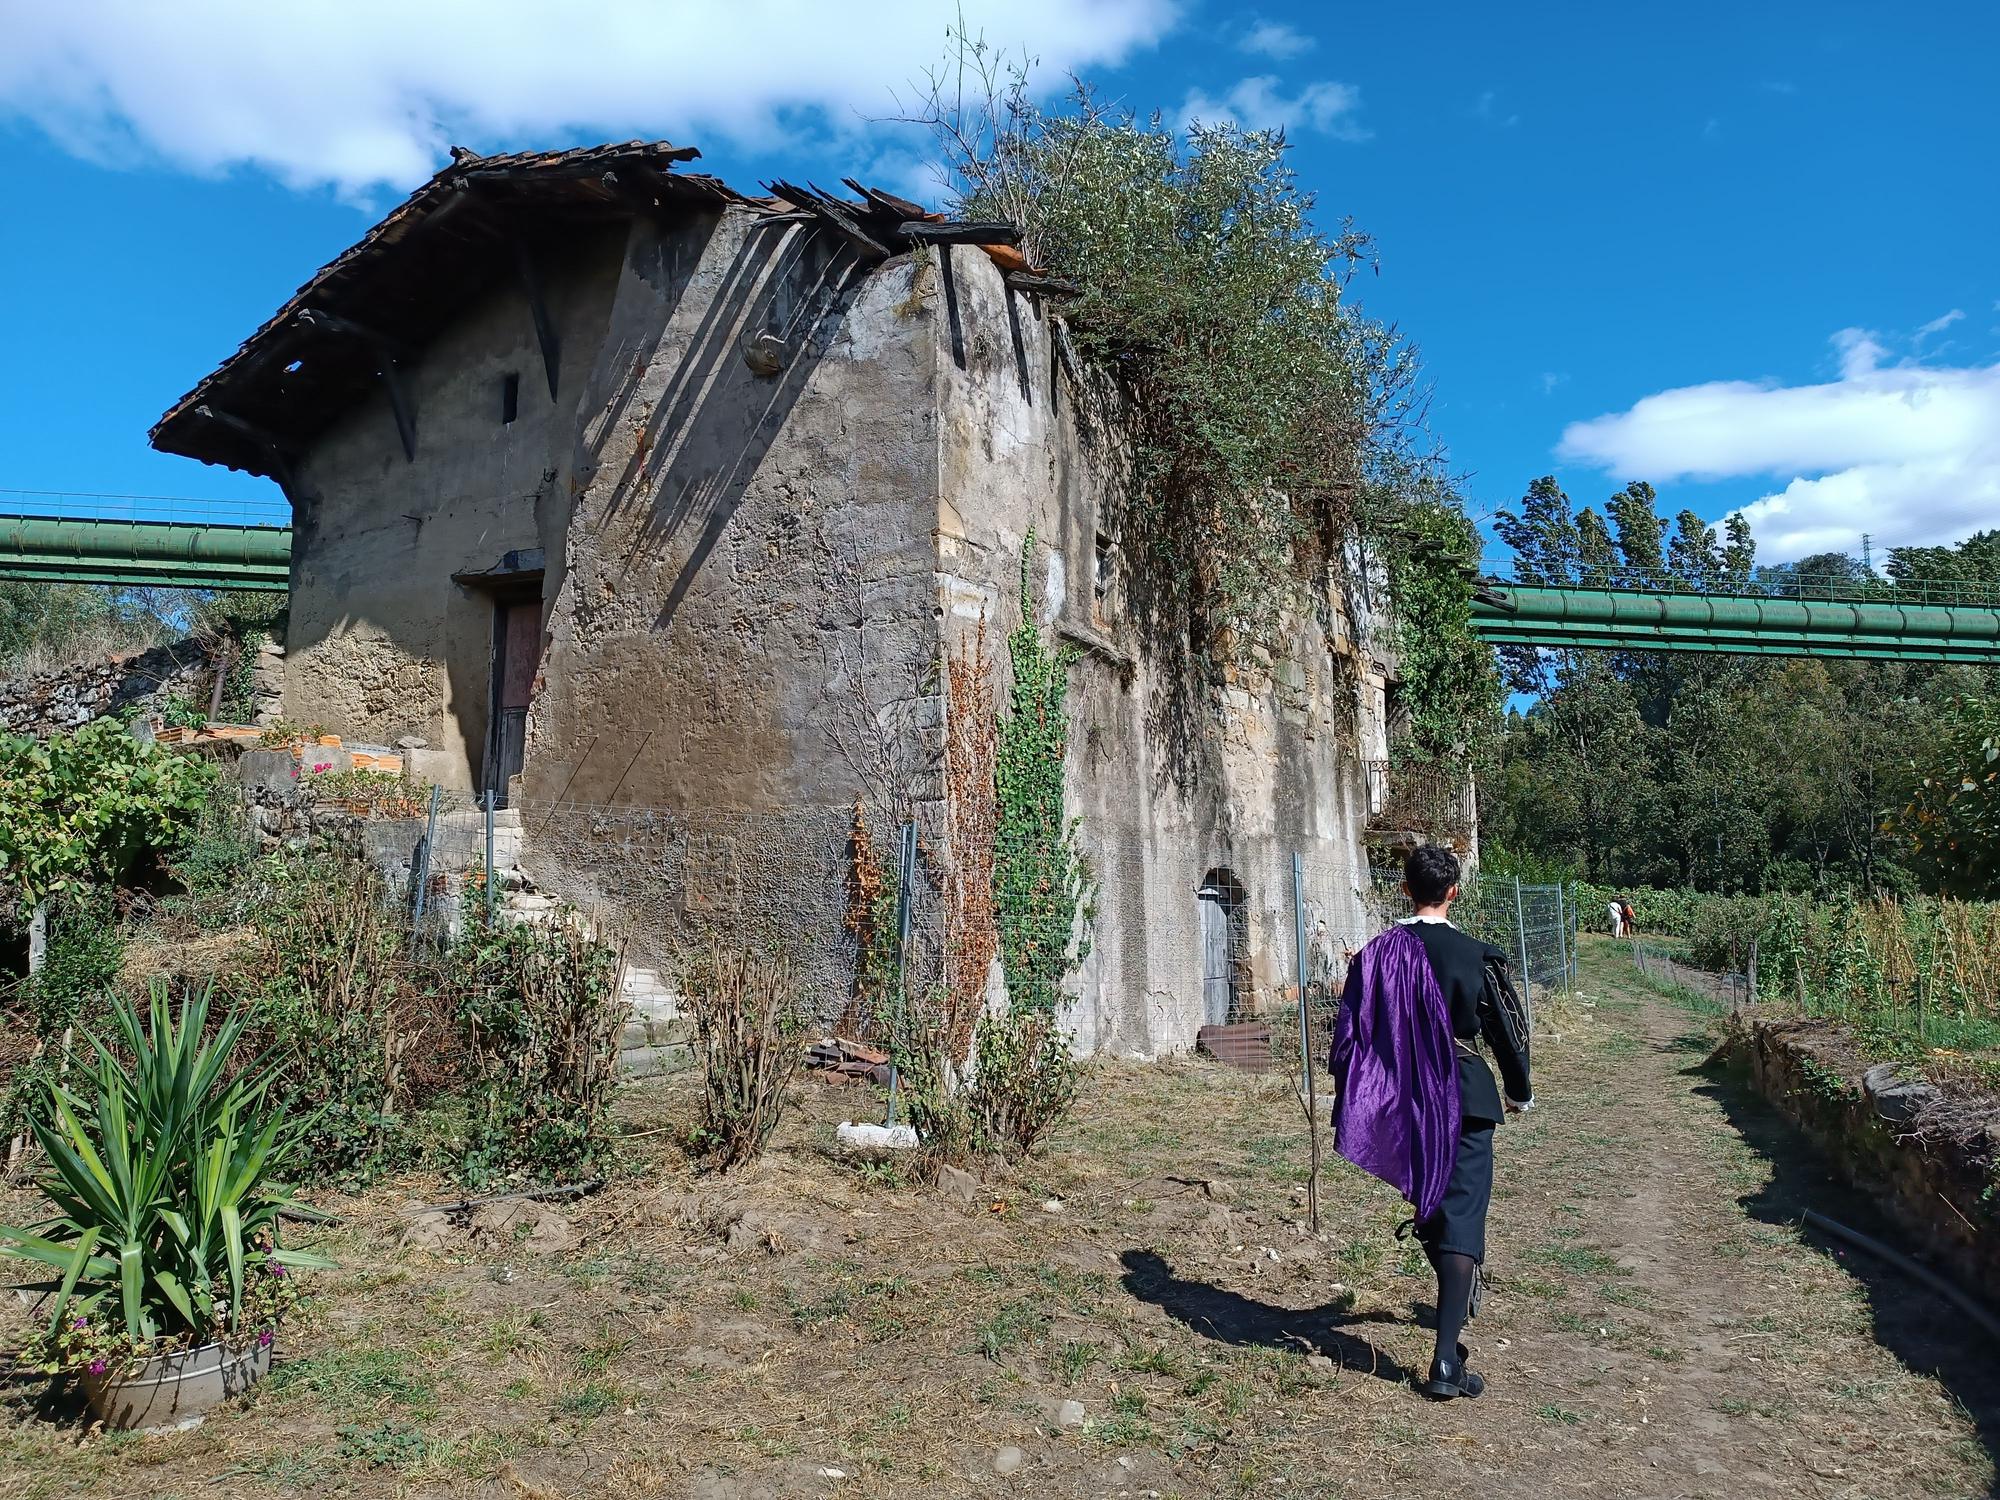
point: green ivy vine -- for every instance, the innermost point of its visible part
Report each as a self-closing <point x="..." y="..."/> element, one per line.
<point x="1041" y="885"/>
<point x="1449" y="681"/>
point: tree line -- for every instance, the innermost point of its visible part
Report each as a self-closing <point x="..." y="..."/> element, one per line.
<point x="1741" y="773"/>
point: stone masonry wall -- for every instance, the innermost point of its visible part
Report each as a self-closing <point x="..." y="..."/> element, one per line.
<point x="1876" y="1130"/>
<point x="71" y="697"/>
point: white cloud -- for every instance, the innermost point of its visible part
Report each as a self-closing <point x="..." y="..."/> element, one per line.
<point x="362" y="93"/>
<point x="1483" y="109"/>
<point x="1551" y="379"/>
<point x="1258" y="104"/>
<point x="1780" y="86"/>
<point x="1860" y="351"/>
<point x="1909" y="453"/>
<point x="1274" y="39"/>
<point x="1940" y="323"/>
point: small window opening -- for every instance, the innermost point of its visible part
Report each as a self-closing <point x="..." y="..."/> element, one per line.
<point x="1106" y="564"/>
<point x="510" y="397"/>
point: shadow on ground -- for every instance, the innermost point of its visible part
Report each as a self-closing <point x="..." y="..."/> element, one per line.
<point x="1919" y="1328"/>
<point x="1231" y="1318"/>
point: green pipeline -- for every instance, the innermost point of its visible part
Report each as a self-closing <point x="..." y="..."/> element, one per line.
<point x="53" y="549"/>
<point x="1524" y="606"/>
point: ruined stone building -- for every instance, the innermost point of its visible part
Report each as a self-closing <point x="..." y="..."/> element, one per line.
<point x="652" y="508"/>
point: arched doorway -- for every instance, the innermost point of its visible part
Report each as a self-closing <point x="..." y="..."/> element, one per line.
<point x="1225" y="947"/>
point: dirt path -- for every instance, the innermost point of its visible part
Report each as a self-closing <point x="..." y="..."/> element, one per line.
<point x="1141" y="1312"/>
<point x="1667" y="1331"/>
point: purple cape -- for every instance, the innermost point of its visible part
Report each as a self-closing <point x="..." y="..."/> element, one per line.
<point x="1395" y="1071"/>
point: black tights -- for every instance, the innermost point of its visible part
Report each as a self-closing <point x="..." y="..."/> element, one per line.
<point x="1455" y="1275"/>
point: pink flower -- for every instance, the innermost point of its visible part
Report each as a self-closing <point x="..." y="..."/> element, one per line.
<point x="277" y="1270"/>
<point x="325" y="765"/>
<point x="264" y="1339"/>
<point x="98" y="1367"/>
<point x="83" y="1322"/>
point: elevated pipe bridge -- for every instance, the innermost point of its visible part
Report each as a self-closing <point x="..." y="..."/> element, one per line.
<point x="1586" y="619"/>
<point x="173" y="554"/>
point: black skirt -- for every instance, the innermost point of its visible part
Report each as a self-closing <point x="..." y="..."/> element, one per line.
<point x="1459" y="1225"/>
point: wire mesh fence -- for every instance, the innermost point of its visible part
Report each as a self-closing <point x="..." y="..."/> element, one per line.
<point x="1534" y="925"/>
<point x="1667" y="965"/>
<point x="1165" y="954"/>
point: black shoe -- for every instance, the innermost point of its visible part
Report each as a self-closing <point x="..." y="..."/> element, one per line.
<point x="1450" y="1378"/>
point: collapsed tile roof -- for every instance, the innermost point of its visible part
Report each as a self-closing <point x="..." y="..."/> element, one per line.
<point x="370" y="309"/>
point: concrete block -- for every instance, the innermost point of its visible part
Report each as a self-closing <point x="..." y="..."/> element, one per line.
<point x="267" y="768"/>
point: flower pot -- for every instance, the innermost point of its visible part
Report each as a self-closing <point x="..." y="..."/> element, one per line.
<point x="170" y="1392"/>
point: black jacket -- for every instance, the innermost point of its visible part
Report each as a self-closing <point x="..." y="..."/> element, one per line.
<point x="1459" y="961"/>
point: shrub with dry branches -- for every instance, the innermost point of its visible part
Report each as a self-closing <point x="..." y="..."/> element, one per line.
<point x="749" y="1029"/>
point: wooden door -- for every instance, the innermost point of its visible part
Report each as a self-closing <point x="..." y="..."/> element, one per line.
<point x="1216" y="969"/>
<point x="517" y="647"/>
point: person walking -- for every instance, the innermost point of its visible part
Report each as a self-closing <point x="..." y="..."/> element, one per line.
<point x="1617" y="912"/>
<point x="1414" y="1102"/>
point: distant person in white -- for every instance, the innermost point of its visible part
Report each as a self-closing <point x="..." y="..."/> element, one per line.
<point x="1617" y="910"/>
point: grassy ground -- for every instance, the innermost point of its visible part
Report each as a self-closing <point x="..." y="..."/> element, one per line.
<point x="1655" y="1325"/>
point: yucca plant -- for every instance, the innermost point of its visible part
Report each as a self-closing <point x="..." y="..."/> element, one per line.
<point x="160" y="1167"/>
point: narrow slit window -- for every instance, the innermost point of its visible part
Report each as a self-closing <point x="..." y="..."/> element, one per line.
<point x="510" y="398"/>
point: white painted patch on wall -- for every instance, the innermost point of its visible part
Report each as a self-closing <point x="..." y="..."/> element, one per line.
<point x="1055" y="588"/>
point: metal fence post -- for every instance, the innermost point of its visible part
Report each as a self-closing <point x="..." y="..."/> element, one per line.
<point x="1562" y="939"/>
<point x="491" y="799"/>
<point x="1521" y="932"/>
<point x="906" y="876"/>
<point x="1305" y="1034"/>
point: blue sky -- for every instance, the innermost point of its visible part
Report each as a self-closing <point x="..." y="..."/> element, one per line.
<point x="1744" y="251"/>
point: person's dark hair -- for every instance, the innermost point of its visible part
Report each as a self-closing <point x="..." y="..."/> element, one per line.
<point x="1430" y="872"/>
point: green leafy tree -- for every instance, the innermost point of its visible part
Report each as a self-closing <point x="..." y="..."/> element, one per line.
<point x="1746" y="773"/>
<point x="1641" y="536"/>
<point x="1265" y="420"/>
<point x="1950" y="817"/>
<point x="93" y="805"/>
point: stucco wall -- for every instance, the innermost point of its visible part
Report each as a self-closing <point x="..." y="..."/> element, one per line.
<point x="743" y="634"/>
<point x="1272" y="769"/>
<point x="381" y="643"/>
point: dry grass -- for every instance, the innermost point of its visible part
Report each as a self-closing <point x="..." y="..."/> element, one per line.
<point x="1647" y="1328"/>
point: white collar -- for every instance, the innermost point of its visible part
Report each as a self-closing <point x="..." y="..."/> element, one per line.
<point x="1406" y="921"/>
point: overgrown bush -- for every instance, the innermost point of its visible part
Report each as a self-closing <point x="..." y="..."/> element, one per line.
<point x="80" y="963"/>
<point x="215" y="857"/>
<point x="74" y="987"/>
<point x="539" y="1015"/>
<point x="929" y="1069"/>
<point x="1269" y="421"/>
<point x="1024" y="1081"/>
<point x="749" y="1031"/>
<point x="495" y="1058"/>
<point x="328" y="992"/>
<point x="93" y="805"/>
